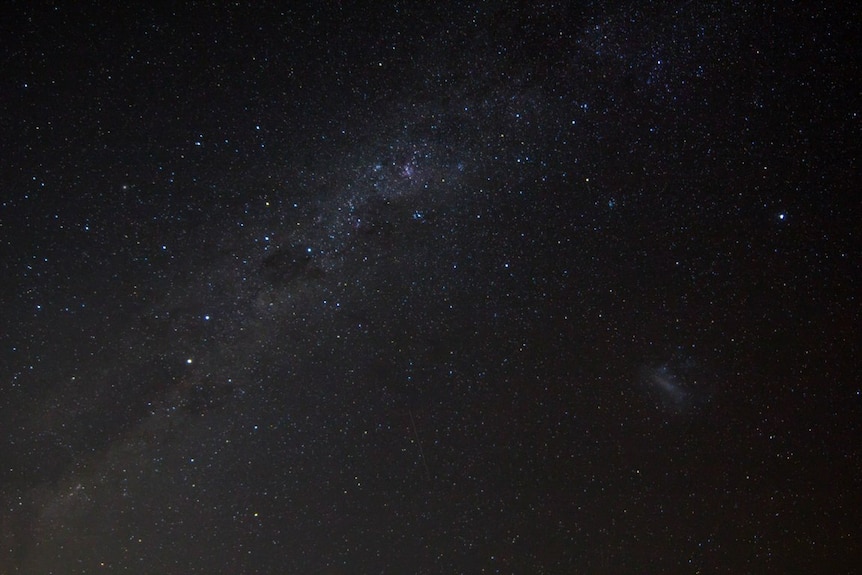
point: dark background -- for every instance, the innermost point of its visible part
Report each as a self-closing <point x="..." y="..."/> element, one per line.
<point x="473" y="287"/>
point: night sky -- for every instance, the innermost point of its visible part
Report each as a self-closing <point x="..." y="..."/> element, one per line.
<point x="469" y="287"/>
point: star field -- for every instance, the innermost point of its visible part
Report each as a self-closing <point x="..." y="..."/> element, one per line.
<point x="475" y="287"/>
